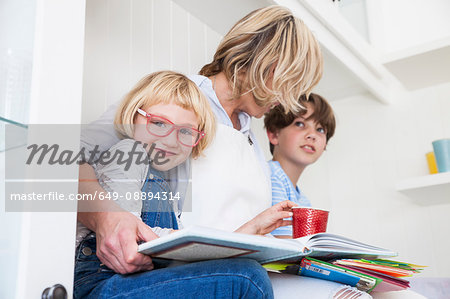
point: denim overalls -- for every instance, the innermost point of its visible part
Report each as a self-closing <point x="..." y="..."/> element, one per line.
<point x="89" y="271"/>
<point x="157" y="212"/>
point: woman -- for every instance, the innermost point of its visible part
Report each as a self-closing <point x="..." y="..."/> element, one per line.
<point x="268" y="58"/>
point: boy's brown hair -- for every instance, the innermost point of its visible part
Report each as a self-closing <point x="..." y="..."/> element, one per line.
<point x="276" y="119"/>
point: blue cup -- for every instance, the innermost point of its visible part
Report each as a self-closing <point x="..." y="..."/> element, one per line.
<point x="442" y="153"/>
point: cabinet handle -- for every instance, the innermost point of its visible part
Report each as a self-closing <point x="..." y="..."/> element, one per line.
<point x="58" y="291"/>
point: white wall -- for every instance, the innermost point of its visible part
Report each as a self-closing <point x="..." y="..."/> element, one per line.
<point x="126" y="40"/>
<point x="399" y="24"/>
<point x="375" y="146"/>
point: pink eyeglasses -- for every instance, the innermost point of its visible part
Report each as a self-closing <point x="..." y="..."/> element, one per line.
<point x="162" y="127"/>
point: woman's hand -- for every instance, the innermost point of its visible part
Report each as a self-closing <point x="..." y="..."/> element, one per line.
<point x="269" y="219"/>
<point x="118" y="234"/>
<point x="118" y="231"/>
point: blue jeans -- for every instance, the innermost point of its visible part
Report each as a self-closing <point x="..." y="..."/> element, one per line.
<point x="226" y="278"/>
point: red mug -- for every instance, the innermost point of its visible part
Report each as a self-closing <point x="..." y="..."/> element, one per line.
<point x="308" y="221"/>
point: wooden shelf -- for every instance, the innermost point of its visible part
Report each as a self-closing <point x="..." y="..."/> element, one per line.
<point x="427" y="190"/>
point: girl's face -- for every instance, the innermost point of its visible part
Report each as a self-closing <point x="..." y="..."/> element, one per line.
<point x="170" y="151"/>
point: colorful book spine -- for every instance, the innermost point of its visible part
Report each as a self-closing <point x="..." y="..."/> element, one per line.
<point x="318" y="271"/>
<point x="389" y="268"/>
<point x="323" y="270"/>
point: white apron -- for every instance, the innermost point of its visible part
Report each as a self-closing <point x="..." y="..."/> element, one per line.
<point x="229" y="185"/>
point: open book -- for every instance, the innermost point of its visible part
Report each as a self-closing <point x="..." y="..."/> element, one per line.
<point x="199" y="243"/>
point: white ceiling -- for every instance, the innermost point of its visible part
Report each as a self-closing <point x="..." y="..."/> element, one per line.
<point x="337" y="81"/>
<point x="221" y="15"/>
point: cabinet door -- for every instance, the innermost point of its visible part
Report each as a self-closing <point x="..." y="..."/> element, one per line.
<point x="37" y="248"/>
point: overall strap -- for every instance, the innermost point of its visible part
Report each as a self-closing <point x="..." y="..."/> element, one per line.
<point x="157" y="208"/>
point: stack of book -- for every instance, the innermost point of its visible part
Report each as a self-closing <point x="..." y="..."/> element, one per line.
<point x="378" y="275"/>
<point x="323" y="255"/>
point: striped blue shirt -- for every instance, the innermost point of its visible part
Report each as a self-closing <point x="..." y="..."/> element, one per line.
<point x="283" y="189"/>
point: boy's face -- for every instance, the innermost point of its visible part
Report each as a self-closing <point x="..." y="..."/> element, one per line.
<point x="301" y="143"/>
<point x="173" y="151"/>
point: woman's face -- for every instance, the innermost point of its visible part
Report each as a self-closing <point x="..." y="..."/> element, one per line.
<point x="171" y="152"/>
<point x="249" y="103"/>
<point x="250" y="107"/>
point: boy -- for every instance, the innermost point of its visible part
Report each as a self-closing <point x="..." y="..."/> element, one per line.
<point x="296" y="141"/>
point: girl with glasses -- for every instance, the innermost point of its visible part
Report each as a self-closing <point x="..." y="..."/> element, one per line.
<point x="163" y="121"/>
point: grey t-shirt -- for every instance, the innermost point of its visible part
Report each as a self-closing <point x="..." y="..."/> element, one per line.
<point x="123" y="183"/>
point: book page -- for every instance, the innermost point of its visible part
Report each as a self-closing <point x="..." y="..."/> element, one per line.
<point x="196" y="251"/>
<point x="326" y="242"/>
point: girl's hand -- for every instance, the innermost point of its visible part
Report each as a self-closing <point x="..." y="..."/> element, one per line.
<point x="269" y="219"/>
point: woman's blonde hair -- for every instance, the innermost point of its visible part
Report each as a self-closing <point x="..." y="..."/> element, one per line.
<point x="166" y="87"/>
<point x="269" y="39"/>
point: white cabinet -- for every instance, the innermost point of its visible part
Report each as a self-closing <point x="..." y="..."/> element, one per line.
<point x="37" y="248"/>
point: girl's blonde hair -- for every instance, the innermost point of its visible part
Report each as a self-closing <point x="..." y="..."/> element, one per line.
<point x="269" y="39"/>
<point x="166" y="87"/>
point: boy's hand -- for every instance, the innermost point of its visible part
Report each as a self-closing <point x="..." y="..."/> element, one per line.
<point x="269" y="219"/>
<point x="118" y="234"/>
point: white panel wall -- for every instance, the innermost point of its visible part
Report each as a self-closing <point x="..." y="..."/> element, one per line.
<point x="375" y="146"/>
<point x="95" y="59"/>
<point x="126" y="40"/>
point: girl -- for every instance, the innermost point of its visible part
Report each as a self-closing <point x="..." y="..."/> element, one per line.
<point x="163" y="121"/>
